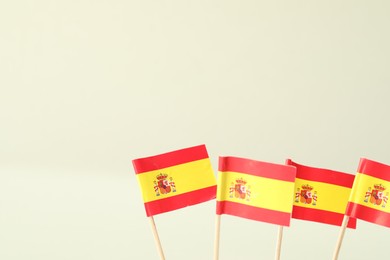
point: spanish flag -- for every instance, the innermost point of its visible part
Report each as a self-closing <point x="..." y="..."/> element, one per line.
<point x="321" y="195"/>
<point x="175" y="180"/>
<point x="370" y="192"/>
<point x="255" y="190"/>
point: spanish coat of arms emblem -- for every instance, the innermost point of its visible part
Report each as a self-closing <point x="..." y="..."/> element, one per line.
<point x="306" y="195"/>
<point x="376" y="195"/>
<point x="240" y="190"/>
<point x="163" y="185"/>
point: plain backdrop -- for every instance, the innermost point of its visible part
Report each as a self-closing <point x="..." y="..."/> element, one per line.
<point x="87" y="86"/>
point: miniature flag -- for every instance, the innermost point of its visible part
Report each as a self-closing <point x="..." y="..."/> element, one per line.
<point x="175" y="180"/>
<point x="370" y="193"/>
<point x="255" y="190"/>
<point x="321" y="195"/>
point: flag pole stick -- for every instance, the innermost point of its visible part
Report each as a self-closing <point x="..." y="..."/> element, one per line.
<point x="279" y="243"/>
<point x="216" y="239"/>
<point x="156" y="238"/>
<point x="341" y="236"/>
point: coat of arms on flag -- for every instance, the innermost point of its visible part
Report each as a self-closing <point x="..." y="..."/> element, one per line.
<point x="240" y="189"/>
<point x="306" y="195"/>
<point x="163" y="185"/>
<point x="376" y="196"/>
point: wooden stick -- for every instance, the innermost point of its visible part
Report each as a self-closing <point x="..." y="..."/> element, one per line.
<point x="279" y="243"/>
<point x="341" y="236"/>
<point x="216" y="239"/>
<point x="156" y="238"/>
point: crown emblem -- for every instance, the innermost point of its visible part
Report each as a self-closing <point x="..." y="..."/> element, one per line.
<point x="161" y="176"/>
<point x="241" y="181"/>
<point x="307" y="187"/>
<point x="379" y="187"/>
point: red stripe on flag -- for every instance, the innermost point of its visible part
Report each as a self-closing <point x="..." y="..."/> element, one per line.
<point x="254" y="213"/>
<point x="368" y="214"/>
<point x="321" y="216"/>
<point x="180" y="201"/>
<point x="374" y="169"/>
<point x="257" y="168"/>
<point x="169" y="159"/>
<point x="323" y="175"/>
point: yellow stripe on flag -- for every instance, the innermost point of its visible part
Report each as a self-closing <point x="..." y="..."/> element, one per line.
<point x="325" y="196"/>
<point x="370" y="192"/>
<point x="263" y="192"/>
<point x="181" y="179"/>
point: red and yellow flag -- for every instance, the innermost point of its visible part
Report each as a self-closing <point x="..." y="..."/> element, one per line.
<point x="175" y="180"/>
<point x="370" y="192"/>
<point x="255" y="190"/>
<point x="321" y="195"/>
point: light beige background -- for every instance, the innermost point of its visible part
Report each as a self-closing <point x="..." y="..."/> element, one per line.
<point x="86" y="86"/>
